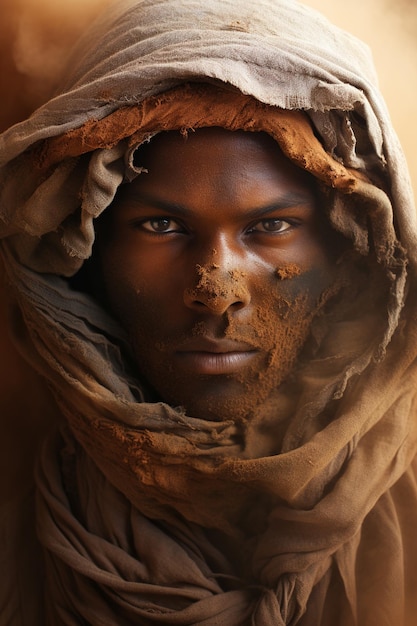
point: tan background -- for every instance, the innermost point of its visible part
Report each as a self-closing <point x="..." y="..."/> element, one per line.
<point x="35" y="36"/>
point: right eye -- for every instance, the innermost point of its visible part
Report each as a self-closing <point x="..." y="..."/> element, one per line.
<point x="161" y="225"/>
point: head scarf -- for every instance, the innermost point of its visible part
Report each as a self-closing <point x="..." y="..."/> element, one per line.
<point x="148" y="515"/>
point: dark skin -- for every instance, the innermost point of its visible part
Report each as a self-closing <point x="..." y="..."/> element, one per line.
<point x="214" y="262"/>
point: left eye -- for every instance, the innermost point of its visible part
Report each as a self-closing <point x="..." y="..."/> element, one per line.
<point x="161" y="225"/>
<point x="271" y="226"/>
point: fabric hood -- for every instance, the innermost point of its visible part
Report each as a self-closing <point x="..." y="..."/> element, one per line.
<point x="161" y="470"/>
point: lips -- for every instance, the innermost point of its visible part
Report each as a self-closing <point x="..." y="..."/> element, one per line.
<point x="205" y="356"/>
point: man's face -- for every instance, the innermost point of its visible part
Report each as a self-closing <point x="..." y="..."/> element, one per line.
<point x="214" y="262"/>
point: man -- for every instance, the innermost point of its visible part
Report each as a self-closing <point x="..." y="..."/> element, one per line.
<point x="234" y="358"/>
<point x="214" y="262"/>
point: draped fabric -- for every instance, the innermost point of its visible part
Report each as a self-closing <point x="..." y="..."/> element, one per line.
<point x="145" y="514"/>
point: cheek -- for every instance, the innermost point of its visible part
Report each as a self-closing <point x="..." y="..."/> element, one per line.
<point x="123" y="284"/>
<point x="293" y="283"/>
<point x="310" y="271"/>
<point x="306" y="264"/>
<point x="284" y="308"/>
<point x="142" y="296"/>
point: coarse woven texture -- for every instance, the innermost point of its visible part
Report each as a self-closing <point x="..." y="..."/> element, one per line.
<point x="150" y="516"/>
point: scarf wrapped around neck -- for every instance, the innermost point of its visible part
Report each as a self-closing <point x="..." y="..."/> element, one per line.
<point x="147" y="515"/>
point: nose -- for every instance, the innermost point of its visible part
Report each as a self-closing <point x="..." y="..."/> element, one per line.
<point x="217" y="290"/>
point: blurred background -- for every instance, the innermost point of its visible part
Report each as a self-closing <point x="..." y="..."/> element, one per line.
<point x="35" y="37"/>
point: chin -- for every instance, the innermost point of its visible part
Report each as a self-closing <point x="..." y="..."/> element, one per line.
<point x="237" y="405"/>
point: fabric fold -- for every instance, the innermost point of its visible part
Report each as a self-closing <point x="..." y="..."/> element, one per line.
<point x="149" y="515"/>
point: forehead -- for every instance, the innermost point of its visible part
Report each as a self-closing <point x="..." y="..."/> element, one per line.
<point x="230" y="163"/>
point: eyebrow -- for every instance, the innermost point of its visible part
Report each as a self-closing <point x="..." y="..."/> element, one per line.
<point x="286" y="201"/>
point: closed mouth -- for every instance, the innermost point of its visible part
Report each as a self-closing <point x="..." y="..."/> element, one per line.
<point x="214" y="346"/>
<point x="216" y="359"/>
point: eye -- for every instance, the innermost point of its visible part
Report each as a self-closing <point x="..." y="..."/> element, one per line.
<point x="272" y="225"/>
<point x="161" y="225"/>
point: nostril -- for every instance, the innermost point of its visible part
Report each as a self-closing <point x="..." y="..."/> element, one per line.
<point x="217" y="297"/>
<point x="217" y="289"/>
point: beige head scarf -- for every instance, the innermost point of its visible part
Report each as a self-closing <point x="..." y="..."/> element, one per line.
<point x="150" y="516"/>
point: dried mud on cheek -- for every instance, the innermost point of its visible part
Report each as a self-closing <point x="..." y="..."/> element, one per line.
<point x="279" y="326"/>
<point x="288" y="271"/>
